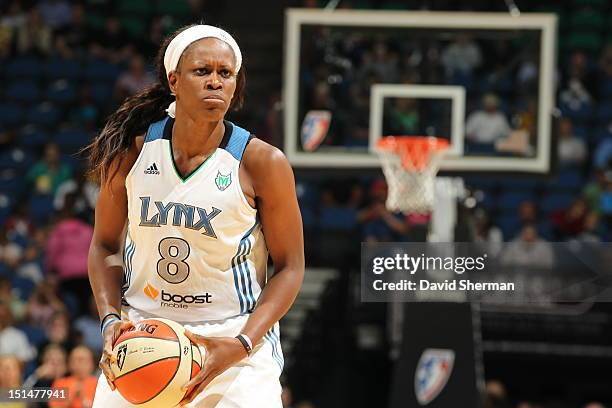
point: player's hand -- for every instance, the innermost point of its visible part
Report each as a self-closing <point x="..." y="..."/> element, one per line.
<point x="111" y="333"/>
<point x="221" y="354"/>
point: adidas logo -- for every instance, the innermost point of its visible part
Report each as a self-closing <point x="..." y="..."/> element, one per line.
<point x="152" y="169"/>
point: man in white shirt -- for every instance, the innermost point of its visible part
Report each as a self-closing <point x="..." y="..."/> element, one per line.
<point x="488" y="125"/>
<point x="12" y="340"/>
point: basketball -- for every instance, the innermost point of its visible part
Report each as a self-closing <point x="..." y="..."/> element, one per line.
<point x="153" y="360"/>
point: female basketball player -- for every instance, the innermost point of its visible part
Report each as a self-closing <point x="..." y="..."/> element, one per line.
<point x="197" y="195"/>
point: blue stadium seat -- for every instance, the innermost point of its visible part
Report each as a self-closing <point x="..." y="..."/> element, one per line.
<point x="11" y="185"/>
<point x="101" y="93"/>
<point x="41" y="208"/>
<point x="23" y="91"/>
<point x="481" y="183"/>
<point x="510" y="200"/>
<point x="309" y="218"/>
<point x="521" y="183"/>
<point x="44" y="114"/>
<point x="582" y="132"/>
<point x="32" y="137"/>
<point x="509" y="224"/>
<point x="71" y="140"/>
<point x="336" y="218"/>
<point x="581" y="113"/>
<point x="23" y="68"/>
<point x="604" y="113"/>
<point x="22" y="287"/>
<point x="567" y="179"/>
<point x="556" y="201"/>
<point x="600" y="133"/>
<point x="99" y="70"/>
<point x="307" y="193"/>
<point x="16" y="159"/>
<point x="59" y="68"/>
<point x="11" y="114"/>
<point x="6" y="206"/>
<point x="36" y="336"/>
<point x="61" y="91"/>
<point x="605" y="89"/>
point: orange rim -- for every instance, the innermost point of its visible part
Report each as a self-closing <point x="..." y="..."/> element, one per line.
<point x="415" y="151"/>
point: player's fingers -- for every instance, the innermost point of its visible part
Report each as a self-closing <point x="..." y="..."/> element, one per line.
<point x="196" y="338"/>
<point x="106" y="370"/>
<point x="189" y="396"/>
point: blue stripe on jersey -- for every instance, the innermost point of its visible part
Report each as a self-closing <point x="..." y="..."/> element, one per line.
<point x="237" y="142"/>
<point x="235" y="270"/>
<point x="156" y="130"/>
<point x="126" y="269"/>
<point x="275" y="354"/>
<point x="240" y="267"/>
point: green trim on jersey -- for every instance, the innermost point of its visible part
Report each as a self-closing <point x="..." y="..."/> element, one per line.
<point x="178" y="174"/>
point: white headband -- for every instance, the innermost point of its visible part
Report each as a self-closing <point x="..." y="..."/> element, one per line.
<point x="179" y="43"/>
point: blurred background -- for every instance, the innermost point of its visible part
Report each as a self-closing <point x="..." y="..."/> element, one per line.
<point x="65" y="65"/>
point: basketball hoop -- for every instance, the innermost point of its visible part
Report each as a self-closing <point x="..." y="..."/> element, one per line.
<point x="410" y="165"/>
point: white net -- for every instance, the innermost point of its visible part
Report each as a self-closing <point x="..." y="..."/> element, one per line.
<point x="411" y="171"/>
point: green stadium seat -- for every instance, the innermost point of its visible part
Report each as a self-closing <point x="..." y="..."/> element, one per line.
<point x="95" y="21"/>
<point x="599" y="4"/>
<point x="137" y="7"/>
<point x="177" y="8"/>
<point x="588" y="41"/>
<point x="134" y="26"/>
<point x="587" y="19"/>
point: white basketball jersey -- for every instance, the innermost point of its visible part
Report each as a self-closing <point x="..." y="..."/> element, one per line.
<point x="194" y="249"/>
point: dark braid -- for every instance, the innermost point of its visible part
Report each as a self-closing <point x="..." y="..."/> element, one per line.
<point x="134" y="117"/>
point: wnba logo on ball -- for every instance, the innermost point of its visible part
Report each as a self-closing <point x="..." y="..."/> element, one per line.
<point x="121" y="356"/>
<point x="432" y="373"/>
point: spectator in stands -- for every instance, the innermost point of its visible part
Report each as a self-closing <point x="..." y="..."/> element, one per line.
<point x="487" y="125"/>
<point x="67" y="252"/>
<point x="527" y="213"/>
<point x="593" y="190"/>
<point x="380" y="224"/>
<point x="528" y="250"/>
<point x="55" y="13"/>
<point x="31" y="266"/>
<point x="10" y="252"/>
<point x="85" y="112"/>
<point x="461" y="56"/>
<point x="592" y="230"/>
<point x="88" y="328"/>
<point x="34" y="37"/>
<point x="58" y="331"/>
<point x="44" y="303"/>
<point x="52" y="366"/>
<point x="380" y="62"/>
<point x="602" y="156"/>
<point x="74" y="39"/>
<point x="17" y="306"/>
<point x="485" y="232"/>
<point x="12" y="340"/>
<point x="81" y="384"/>
<point x="11" y="377"/>
<point x="404" y="117"/>
<point x="110" y="43"/>
<point x="47" y="175"/>
<point x="572" y="151"/>
<point x="136" y="79"/>
<point x="568" y="223"/>
<point x="83" y="192"/>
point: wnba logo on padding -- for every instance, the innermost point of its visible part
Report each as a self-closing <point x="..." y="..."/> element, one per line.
<point x="432" y="373"/>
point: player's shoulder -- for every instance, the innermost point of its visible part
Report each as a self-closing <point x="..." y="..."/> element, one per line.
<point x="260" y="155"/>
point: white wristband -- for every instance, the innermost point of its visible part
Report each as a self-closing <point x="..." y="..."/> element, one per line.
<point x="107" y="323"/>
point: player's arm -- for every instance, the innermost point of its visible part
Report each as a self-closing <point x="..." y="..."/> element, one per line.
<point x="274" y="187"/>
<point x="104" y="277"/>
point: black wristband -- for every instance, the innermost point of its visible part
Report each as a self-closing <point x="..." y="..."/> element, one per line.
<point x="107" y="316"/>
<point x="245" y="344"/>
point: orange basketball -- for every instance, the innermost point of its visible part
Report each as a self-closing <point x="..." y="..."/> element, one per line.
<point x="153" y="360"/>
